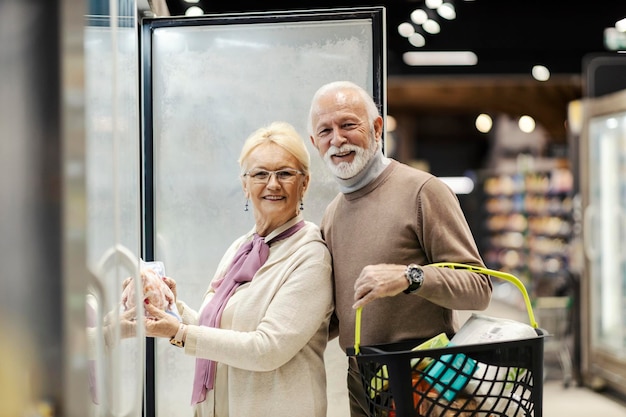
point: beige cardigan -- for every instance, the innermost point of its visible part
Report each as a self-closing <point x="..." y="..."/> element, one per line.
<point x="275" y="349"/>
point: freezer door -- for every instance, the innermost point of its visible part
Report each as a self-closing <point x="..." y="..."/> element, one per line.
<point x="605" y="226"/>
<point x="209" y="83"/>
<point x="604" y="184"/>
<point x="116" y="363"/>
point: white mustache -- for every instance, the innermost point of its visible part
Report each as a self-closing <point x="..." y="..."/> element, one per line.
<point x="334" y="150"/>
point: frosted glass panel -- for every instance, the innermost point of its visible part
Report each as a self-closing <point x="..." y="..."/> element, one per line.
<point x="112" y="173"/>
<point x="211" y="87"/>
<point x="607" y="232"/>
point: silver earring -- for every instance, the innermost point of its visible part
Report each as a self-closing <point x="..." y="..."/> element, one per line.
<point x="301" y="205"/>
<point x="246" y="207"/>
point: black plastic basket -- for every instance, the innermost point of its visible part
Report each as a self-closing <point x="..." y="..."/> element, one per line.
<point x="491" y="379"/>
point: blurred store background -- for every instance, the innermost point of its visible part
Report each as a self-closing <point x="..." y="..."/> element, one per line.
<point x="486" y="93"/>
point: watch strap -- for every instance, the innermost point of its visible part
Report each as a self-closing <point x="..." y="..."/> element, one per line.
<point x="177" y="340"/>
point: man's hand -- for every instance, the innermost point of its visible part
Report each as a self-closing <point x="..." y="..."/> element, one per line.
<point x="160" y="324"/>
<point x="377" y="281"/>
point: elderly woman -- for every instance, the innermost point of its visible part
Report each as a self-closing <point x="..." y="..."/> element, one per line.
<point x="260" y="334"/>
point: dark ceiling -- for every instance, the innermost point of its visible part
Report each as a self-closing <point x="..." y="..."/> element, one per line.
<point x="508" y="36"/>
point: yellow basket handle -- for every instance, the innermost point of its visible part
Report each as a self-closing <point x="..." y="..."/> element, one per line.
<point x="499" y="274"/>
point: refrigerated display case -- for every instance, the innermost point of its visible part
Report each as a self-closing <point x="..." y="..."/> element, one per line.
<point x="113" y="215"/>
<point x="169" y="102"/>
<point x="209" y="82"/>
<point x="603" y="292"/>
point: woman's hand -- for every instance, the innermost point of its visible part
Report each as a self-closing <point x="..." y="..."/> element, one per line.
<point x="126" y="323"/>
<point x="161" y="324"/>
<point x="172" y="284"/>
<point x="126" y="282"/>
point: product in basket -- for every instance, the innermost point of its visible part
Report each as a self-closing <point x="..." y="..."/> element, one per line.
<point x="492" y="369"/>
<point x="479" y="329"/>
<point x="432" y="406"/>
<point x="428" y="402"/>
<point x="457" y="385"/>
<point x="449" y="374"/>
<point x="494" y="386"/>
<point x="380" y="380"/>
<point x="154" y="289"/>
<point x="436" y="382"/>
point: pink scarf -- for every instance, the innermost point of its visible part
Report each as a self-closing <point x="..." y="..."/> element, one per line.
<point x="247" y="261"/>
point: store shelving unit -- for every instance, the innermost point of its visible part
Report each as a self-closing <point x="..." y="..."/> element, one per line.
<point x="528" y="224"/>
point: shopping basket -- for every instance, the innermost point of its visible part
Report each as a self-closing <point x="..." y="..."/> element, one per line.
<point x="492" y="379"/>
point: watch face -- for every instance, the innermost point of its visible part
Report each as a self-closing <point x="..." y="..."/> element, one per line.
<point x="415" y="274"/>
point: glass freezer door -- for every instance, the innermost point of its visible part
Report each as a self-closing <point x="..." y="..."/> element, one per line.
<point x="209" y="82"/>
<point x="604" y="198"/>
<point x="116" y="362"/>
<point x="607" y="221"/>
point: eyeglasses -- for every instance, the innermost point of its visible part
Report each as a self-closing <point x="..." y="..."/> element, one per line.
<point x="262" y="176"/>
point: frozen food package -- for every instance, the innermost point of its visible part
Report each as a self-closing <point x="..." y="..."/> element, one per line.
<point x="154" y="289"/>
<point x="480" y="329"/>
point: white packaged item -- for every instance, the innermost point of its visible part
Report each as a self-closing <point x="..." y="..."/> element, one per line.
<point x="481" y="329"/>
<point x="492" y="386"/>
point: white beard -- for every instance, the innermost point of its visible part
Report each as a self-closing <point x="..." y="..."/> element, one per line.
<point x="346" y="170"/>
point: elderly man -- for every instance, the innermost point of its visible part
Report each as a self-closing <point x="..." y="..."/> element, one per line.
<point x="383" y="229"/>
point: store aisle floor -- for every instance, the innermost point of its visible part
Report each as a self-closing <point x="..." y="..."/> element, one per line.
<point x="559" y="401"/>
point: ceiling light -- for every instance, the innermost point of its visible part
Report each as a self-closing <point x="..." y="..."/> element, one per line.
<point x="459" y="185"/>
<point x="431" y="26"/>
<point x="483" y="123"/>
<point x="540" y="73"/>
<point x="391" y="123"/>
<point x="194" y="11"/>
<point x="526" y="124"/>
<point x="612" y="123"/>
<point x="433" y="4"/>
<point x="447" y="11"/>
<point x="406" y="29"/>
<point x="417" y="40"/>
<point x="421" y="58"/>
<point x="419" y="16"/>
<point x="614" y="40"/>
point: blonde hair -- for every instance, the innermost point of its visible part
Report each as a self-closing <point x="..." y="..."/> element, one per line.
<point x="282" y="134"/>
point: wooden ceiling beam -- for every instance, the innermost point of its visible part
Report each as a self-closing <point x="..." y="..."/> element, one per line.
<point x="513" y="95"/>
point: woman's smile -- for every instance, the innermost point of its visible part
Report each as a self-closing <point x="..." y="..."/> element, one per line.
<point x="275" y="186"/>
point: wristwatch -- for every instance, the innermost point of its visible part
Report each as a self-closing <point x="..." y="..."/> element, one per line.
<point x="415" y="275"/>
<point x="177" y="339"/>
